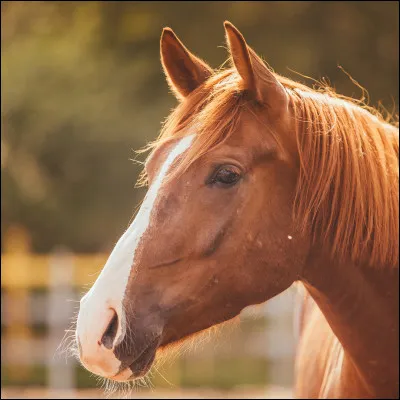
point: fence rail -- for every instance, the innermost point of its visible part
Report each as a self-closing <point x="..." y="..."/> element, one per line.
<point x="34" y="270"/>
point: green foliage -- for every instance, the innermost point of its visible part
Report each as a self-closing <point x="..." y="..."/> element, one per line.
<point x="225" y="372"/>
<point x="82" y="88"/>
<point x="36" y="376"/>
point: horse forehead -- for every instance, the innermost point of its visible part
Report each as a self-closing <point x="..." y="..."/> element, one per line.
<point x="253" y="131"/>
<point x="159" y="156"/>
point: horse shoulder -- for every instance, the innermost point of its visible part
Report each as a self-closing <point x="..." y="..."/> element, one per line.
<point x="318" y="351"/>
<point x="322" y="368"/>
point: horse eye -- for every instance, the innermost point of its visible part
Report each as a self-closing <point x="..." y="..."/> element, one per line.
<point x="226" y="176"/>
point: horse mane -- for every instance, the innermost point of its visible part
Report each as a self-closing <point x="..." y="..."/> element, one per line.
<point x="348" y="187"/>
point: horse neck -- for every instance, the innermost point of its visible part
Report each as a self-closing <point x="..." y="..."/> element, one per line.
<point x="361" y="305"/>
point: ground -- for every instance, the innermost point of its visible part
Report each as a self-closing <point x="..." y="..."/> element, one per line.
<point x="244" y="393"/>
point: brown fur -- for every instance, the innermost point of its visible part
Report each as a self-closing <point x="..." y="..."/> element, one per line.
<point x="316" y="202"/>
<point x="348" y="161"/>
<point x="346" y="199"/>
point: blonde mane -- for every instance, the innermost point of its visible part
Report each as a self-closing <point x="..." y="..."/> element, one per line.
<point x="348" y="187"/>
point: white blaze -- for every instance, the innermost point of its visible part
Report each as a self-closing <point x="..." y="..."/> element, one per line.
<point x="108" y="291"/>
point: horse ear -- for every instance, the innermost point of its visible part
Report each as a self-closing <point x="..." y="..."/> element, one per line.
<point x="184" y="71"/>
<point x="256" y="76"/>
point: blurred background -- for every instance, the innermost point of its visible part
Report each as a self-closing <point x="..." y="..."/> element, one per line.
<point x="82" y="88"/>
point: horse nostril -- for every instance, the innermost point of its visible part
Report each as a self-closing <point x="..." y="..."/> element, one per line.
<point x="110" y="333"/>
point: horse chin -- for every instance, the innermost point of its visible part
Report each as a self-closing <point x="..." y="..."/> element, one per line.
<point x="140" y="367"/>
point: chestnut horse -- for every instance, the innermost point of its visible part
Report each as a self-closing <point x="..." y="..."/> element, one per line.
<point x="257" y="182"/>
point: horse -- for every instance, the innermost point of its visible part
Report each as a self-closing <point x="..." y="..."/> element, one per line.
<point x="256" y="183"/>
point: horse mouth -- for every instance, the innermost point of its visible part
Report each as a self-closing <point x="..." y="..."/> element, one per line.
<point x="140" y="366"/>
